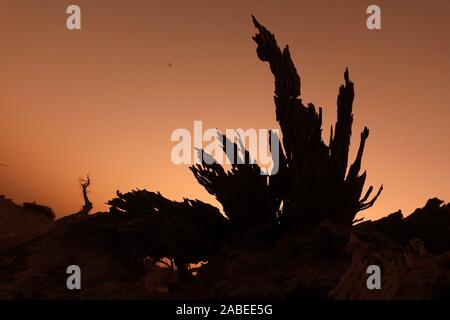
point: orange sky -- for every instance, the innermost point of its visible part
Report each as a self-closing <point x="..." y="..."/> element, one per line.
<point x="104" y="100"/>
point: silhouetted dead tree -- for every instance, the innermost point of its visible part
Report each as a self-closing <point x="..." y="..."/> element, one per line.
<point x="87" y="207"/>
<point x="312" y="183"/>
<point x="315" y="173"/>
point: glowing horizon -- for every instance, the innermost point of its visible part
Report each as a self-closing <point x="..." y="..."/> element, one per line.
<point x="105" y="100"/>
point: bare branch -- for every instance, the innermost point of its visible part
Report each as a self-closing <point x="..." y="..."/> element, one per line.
<point x="367" y="205"/>
<point x="85" y="183"/>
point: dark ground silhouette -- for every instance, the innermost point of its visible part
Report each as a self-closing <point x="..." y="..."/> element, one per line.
<point x="292" y="235"/>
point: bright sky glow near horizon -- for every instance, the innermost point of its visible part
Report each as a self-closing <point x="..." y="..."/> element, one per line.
<point x="104" y="100"/>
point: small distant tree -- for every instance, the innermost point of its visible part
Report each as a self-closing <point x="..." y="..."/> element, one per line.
<point x="85" y="183"/>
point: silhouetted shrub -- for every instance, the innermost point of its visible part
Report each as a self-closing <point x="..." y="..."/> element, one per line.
<point x="41" y="209"/>
<point x="188" y="232"/>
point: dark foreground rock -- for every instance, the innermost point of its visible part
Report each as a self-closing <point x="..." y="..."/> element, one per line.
<point x="326" y="263"/>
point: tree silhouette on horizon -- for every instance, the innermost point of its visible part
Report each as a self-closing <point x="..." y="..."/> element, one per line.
<point x="314" y="183"/>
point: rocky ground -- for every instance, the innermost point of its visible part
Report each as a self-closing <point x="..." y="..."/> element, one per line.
<point x="326" y="263"/>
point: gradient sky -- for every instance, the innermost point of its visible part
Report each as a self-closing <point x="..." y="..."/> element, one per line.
<point x="104" y="100"/>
